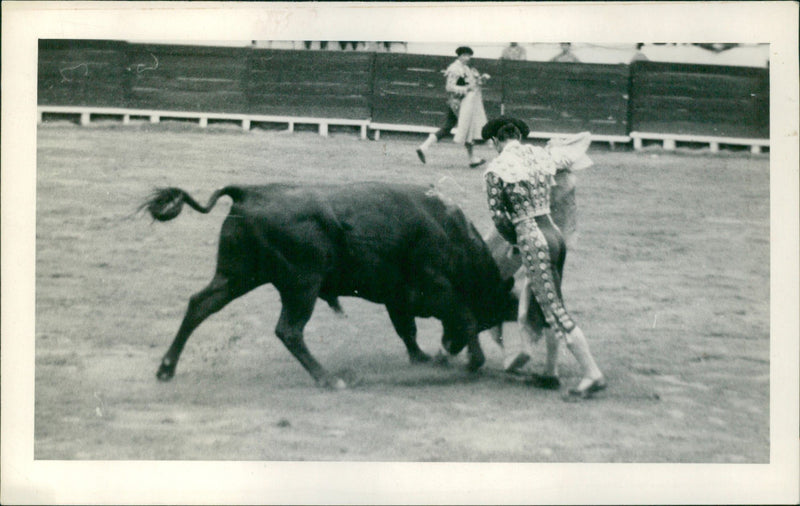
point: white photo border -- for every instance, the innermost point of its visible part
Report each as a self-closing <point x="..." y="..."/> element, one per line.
<point x="144" y="482"/>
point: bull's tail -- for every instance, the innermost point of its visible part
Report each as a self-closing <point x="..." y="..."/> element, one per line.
<point x="165" y="204"/>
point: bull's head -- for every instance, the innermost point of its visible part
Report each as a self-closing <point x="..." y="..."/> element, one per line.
<point x="509" y="262"/>
<point x="453" y="344"/>
<point x="499" y="307"/>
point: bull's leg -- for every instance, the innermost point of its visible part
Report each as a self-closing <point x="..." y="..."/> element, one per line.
<point x="406" y="328"/>
<point x="201" y="305"/>
<point x="476" y="356"/>
<point x="458" y="323"/>
<point x="295" y="313"/>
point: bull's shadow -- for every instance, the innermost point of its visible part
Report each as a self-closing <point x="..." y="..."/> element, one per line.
<point x="443" y="373"/>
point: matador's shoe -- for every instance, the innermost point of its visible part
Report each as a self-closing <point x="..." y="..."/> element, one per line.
<point x="575" y="394"/>
<point x="544" y="381"/>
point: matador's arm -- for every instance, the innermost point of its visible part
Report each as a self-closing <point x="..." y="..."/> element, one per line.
<point x="500" y="217"/>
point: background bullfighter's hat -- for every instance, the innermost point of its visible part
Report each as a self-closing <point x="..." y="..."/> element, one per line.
<point x="464" y="50"/>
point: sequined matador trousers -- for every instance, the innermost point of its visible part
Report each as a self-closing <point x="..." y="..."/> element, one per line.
<point x="543" y="253"/>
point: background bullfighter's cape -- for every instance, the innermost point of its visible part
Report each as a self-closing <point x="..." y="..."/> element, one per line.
<point x="471" y="118"/>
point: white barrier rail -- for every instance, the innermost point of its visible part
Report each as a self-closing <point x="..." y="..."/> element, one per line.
<point x="668" y="141"/>
<point x="202" y="118"/>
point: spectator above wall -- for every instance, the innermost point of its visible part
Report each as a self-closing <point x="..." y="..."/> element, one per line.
<point x="740" y="55"/>
<point x="325" y="45"/>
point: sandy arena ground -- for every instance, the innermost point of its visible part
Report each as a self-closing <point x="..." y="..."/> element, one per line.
<point x="669" y="280"/>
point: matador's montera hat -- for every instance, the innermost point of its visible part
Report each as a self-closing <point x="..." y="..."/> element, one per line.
<point x="491" y="128"/>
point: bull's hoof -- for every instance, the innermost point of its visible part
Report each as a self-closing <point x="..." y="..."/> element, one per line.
<point x="475" y="363"/>
<point x="165" y="373"/>
<point x="166" y="370"/>
<point x="419" y="357"/>
<point x="332" y="383"/>
<point x="513" y="364"/>
<point x="441" y="359"/>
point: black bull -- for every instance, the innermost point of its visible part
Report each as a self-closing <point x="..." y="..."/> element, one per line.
<point x="399" y="245"/>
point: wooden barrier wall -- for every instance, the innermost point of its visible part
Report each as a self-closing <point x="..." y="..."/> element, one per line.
<point x="87" y="73"/>
<point x="187" y="78"/>
<point x="699" y="100"/>
<point x="310" y="83"/>
<point x="409" y="88"/>
<point x="567" y="97"/>
<point x="404" y="89"/>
